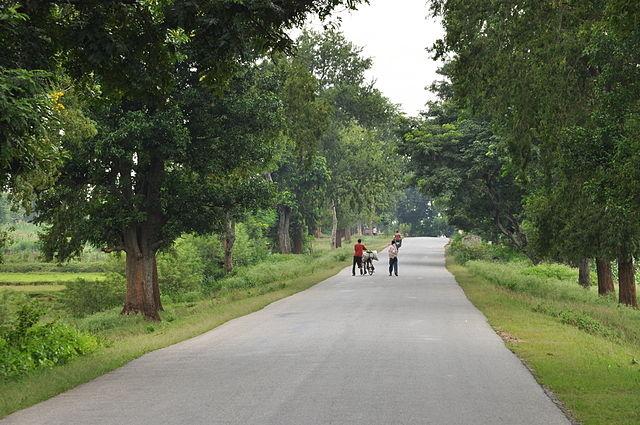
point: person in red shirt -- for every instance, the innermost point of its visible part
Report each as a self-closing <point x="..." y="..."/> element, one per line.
<point x="358" y="250"/>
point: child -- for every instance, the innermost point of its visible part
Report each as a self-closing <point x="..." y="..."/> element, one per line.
<point x="393" y="258"/>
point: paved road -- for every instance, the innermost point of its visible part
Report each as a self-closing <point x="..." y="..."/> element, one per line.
<point x="351" y="350"/>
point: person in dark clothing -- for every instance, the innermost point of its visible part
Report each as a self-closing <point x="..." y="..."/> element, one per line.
<point x="358" y="250"/>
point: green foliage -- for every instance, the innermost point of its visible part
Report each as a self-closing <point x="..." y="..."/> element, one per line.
<point x="471" y="248"/>
<point x="557" y="294"/>
<point x="421" y="215"/>
<point x="82" y="297"/>
<point x="574" y="143"/>
<point x="579" y="319"/>
<point x="249" y="250"/>
<point x="552" y="271"/>
<point x="181" y="269"/>
<point x="459" y="161"/>
<point x="26" y="344"/>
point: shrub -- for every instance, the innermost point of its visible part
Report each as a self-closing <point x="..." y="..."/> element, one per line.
<point x="470" y="247"/>
<point x="83" y="297"/>
<point x="26" y="345"/>
<point x="8" y="301"/>
<point x="247" y="249"/>
<point x="182" y="268"/>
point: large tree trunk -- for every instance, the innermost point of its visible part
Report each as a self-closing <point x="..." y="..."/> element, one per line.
<point x="583" y="273"/>
<point x="298" y="232"/>
<point x="339" y="236"/>
<point x="626" y="282"/>
<point x="334" y="226"/>
<point x="143" y="293"/>
<point x="229" y="238"/>
<point x="284" y="218"/>
<point x="347" y="234"/>
<point x="605" y="278"/>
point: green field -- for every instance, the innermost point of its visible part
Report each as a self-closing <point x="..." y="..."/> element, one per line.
<point x="32" y="289"/>
<point x="584" y="348"/>
<point x="36" y="278"/>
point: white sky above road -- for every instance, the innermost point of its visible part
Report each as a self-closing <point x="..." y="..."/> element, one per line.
<point x="395" y="34"/>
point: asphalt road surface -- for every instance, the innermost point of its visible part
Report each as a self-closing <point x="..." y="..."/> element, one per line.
<point x="352" y="350"/>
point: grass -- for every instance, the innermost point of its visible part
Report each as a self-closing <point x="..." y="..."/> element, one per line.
<point x="126" y="338"/>
<point x="584" y="348"/>
<point x="36" y="278"/>
<point x="32" y="289"/>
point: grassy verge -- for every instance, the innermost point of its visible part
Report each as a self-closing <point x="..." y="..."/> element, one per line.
<point x="126" y="338"/>
<point x="584" y="348"/>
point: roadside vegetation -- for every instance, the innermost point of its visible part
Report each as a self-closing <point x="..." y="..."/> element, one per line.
<point x="67" y="334"/>
<point x="138" y="207"/>
<point x="582" y="346"/>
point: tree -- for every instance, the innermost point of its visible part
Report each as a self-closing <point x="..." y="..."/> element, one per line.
<point x="127" y="188"/>
<point x="36" y="113"/>
<point x="302" y="175"/>
<point x="360" y="126"/>
<point x="421" y="214"/>
<point x="574" y="136"/>
<point x="458" y="160"/>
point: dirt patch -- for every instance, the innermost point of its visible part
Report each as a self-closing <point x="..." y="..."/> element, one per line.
<point x="507" y="337"/>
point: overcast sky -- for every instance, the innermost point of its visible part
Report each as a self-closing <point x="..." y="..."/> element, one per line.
<point x="395" y="34"/>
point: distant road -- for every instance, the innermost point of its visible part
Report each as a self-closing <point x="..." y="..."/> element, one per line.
<point x="352" y="350"/>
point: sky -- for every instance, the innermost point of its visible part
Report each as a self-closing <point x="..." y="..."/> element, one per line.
<point x="395" y="34"/>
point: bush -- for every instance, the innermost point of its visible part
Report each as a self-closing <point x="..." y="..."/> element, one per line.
<point x="26" y="345"/>
<point x="8" y="302"/>
<point x="83" y="297"/>
<point x="470" y="247"/>
<point x="182" y="268"/>
<point x="248" y="250"/>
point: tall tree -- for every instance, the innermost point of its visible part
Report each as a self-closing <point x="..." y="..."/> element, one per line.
<point x="129" y="186"/>
<point x="550" y="79"/>
<point x="459" y="160"/>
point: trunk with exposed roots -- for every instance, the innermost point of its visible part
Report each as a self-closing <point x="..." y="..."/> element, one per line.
<point x="141" y="270"/>
<point x="583" y="273"/>
<point x="626" y="282"/>
<point x="605" y="278"/>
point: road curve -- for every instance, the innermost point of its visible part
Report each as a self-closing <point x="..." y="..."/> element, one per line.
<point x="352" y="350"/>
